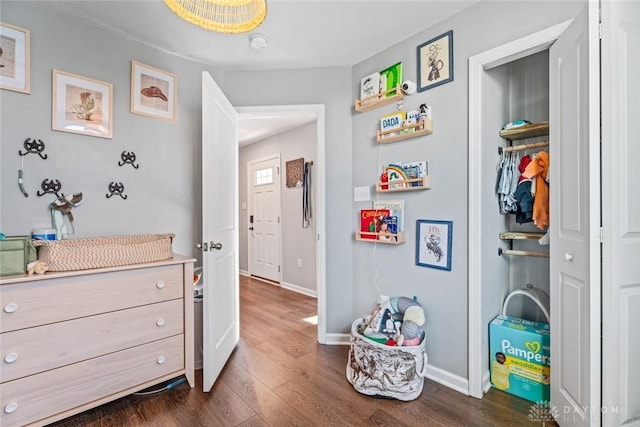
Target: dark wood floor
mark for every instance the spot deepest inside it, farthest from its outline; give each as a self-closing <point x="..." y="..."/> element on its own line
<point x="279" y="376"/>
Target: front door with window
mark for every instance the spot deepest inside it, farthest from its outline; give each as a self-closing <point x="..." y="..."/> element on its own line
<point x="264" y="218"/>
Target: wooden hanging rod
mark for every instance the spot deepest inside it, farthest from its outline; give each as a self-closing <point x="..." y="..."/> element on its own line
<point x="523" y="146"/>
<point x="522" y="253"/>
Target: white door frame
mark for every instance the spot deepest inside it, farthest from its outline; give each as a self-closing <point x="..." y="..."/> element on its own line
<point x="478" y="64"/>
<point x="319" y="211"/>
<point x="275" y="156"/>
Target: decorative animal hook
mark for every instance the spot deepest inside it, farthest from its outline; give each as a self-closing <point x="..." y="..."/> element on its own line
<point x="50" y="186"/>
<point x="128" y="157"/>
<point x="116" y="189"/>
<point x="35" y="147"/>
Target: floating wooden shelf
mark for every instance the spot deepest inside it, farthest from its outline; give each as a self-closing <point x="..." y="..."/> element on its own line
<point x="400" y="239"/>
<point x="397" y="135"/>
<point x="424" y="183"/>
<point x="379" y="99"/>
<point x="526" y="131"/>
<point x="512" y="235"/>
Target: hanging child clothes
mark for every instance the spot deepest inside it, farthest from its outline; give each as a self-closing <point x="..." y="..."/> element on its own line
<point x="523" y="196"/>
<point x="538" y="168"/>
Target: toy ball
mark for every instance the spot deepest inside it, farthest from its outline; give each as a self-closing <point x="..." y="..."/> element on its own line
<point x="410" y="330"/>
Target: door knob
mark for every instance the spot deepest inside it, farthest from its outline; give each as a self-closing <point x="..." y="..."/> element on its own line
<point x="568" y="256"/>
<point x="216" y="246"/>
<point x="203" y="246"/>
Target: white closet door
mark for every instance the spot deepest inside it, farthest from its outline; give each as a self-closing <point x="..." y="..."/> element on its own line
<point x="575" y="222"/>
<point x="621" y="213"/>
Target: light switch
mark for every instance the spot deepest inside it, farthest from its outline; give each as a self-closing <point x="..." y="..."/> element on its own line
<point x="361" y="194"/>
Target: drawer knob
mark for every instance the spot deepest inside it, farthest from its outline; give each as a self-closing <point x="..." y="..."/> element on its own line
<point x="160" y="284"/>
<point x="11" y="307"/>
<point x="11" y="357"/>
<point x="10" y="408"/>
<point x="161" y="360"/>
<point x="160" y="322"/>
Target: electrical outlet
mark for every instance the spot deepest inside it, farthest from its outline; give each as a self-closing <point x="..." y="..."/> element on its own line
<point x="299" y="262"/>
<point x="361" y="194"/>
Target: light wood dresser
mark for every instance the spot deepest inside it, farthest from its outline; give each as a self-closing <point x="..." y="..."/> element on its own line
<point x="75" y="340"/>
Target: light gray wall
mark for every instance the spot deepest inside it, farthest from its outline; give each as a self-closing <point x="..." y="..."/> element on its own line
<point x="297" y="242"/>
<point x="163" y="194"/>
<point x="443" y="294"/>
<point x="331" y="87"/>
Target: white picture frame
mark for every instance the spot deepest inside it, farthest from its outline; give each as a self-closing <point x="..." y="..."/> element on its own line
<point x="15" y="61"/>
<point x="153" y="92"/>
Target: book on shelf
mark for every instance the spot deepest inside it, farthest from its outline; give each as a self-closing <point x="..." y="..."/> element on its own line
<point x="390" y="78"/>
<point x="370" y="85"/>
<point x="396" y="176"/>
<point x="370" y="220"/>
<point x="396" y="209"/>
<point x="415" y="170"/>
<point x="388" y="229"/>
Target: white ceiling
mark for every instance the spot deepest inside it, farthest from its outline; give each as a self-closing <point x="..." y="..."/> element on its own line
<point x="300" y="33"/>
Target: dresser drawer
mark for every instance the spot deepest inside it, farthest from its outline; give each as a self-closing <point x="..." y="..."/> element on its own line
<point x="40" y="396"/>
<point x="28" y="304"/>
<point x="30" y="351"/>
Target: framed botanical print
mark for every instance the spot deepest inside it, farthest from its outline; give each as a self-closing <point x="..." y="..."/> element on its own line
<point x="81" y="105"/>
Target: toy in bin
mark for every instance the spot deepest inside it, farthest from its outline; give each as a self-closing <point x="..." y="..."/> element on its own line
<point x="387" y="356"/>
<point x="520" y="360"/>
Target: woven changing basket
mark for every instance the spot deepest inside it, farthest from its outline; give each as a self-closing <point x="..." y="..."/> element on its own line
<point x="380" y="370"/>
<point x="101" y="252"/>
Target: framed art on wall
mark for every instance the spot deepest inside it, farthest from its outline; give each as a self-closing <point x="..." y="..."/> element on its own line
<point x="15" y="65"/>
<point x="81" y="105"/>
<point x="435" y="61"/>
<point x="153" y="92"/>
<point x="433" y="243"/>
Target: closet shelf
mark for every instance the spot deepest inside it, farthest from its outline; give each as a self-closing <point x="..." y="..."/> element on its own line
<point x="509" y="235"/>
<point x="424" y="183"/>
<point x="522" y="253"/>
<point x="526" y="131"/>
<point x="378" y="100"/>
<point x="412" y="132"/>
<point x="400" y="238"/>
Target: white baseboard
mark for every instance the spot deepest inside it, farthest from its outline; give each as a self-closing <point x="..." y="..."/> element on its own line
<point x="197" y="365"/>
<point x="244" y="273"/>
<point x="338" y="339"/>
<point x="486" y="381"/>
<point x="299" y="289"/>
<point x="448" y="379"/>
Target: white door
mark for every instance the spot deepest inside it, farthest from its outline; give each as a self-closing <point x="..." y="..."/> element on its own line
<point x="621" y="213"/>
<point x="264" y="218"/>
<point x="221" y="303"/>
<point x="575" y="222"/>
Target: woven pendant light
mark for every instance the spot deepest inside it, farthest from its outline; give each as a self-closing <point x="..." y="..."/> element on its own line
<point x="224" y="16"/>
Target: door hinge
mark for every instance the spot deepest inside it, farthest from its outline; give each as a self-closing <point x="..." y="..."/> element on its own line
<point x="278" y="269"/>
<point x="278" y="220"/>
<point x="277" y="170"/>
<point x="601" y="235"/>
<point x="600" y="30"/>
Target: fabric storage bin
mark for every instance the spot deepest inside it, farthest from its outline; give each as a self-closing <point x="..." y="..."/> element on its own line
<point x="103" y="252"/>
<point x="15" y="254"/>
<point x="380" y="370"/>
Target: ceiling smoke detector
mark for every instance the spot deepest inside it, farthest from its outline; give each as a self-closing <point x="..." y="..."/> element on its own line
<point x="258" y="42"/>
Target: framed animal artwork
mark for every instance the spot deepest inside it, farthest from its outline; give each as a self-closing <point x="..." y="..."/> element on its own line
<point x="435" y="61"/>
<point x="433" y="243"/>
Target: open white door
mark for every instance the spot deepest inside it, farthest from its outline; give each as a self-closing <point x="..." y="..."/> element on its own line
<point x="621" y="213"/>
<point x="221" y="302"/>
<point x="574" y="126"/>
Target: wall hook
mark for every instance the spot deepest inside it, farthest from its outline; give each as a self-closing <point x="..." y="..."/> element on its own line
<point x="128" y="157"/>
<point x="116" y="189"/>
<point x="33" y="147"/>
<point x="50" y="186"/>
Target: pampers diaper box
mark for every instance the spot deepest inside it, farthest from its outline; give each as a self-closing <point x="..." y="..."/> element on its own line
<point x="519" y="357"/>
